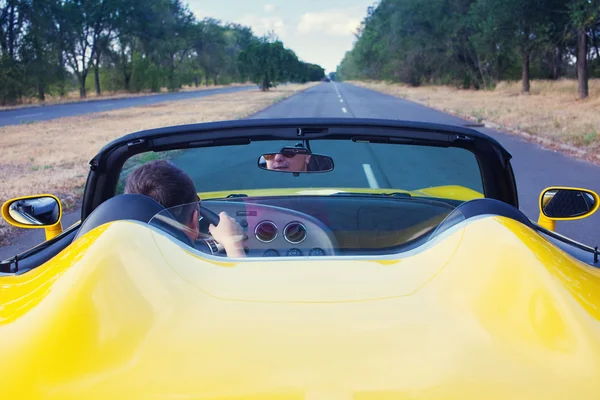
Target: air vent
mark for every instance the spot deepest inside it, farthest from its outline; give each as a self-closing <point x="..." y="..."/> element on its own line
<point x="294" y="232"/>
<point x="266" y="231"/>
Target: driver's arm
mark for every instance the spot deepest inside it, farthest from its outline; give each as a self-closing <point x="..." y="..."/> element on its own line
<point x="229" y="234"/>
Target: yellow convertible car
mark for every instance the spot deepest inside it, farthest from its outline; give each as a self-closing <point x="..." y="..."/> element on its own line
<point x="379" y="260"/>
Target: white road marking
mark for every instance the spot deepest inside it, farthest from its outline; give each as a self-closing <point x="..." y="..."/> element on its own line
<point x="336" y="89"/>
<point x="340" y="97"/>
<point x="370" y="176"/>
<point x="28" y="115"/>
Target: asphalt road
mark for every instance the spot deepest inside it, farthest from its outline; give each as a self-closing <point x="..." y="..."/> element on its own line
<point x="535" y="168"/>
<point x="44" y="113"/>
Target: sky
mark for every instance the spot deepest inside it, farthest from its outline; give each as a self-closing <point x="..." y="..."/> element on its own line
<point x="318" y="31"/>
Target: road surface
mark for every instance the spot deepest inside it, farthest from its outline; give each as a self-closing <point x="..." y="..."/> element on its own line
<point x="535" y="168"/>
<point x="45" y="113"/>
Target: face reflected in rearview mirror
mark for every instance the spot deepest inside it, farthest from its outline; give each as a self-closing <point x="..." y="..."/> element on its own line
<point x="40" y="211"/>
<point x="565" y="203"/>
<point x="296" y="160"/>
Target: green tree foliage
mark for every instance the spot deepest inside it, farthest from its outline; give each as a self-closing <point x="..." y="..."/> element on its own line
<point x="210" y="45"/>
<point x="475" y="43"/>
<point x="267" y="62"/>
<point x="86" y="29"/>
<point x="12" y="30"/>
<point x="54" y="46"/>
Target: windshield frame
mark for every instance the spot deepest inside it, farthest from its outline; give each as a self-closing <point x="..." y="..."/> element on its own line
<point x="494" y="161"/>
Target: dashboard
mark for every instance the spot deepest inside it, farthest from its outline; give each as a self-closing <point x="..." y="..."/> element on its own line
<point x="307" y="226"/>
<point x="271" y="231"/>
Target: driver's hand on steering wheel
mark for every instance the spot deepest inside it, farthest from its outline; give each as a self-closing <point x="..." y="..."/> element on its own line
<point x="229" y="234"/>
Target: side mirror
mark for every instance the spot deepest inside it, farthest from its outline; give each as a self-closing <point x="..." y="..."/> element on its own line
<point x="35" y="212"/>
<point x="566" y="204"/>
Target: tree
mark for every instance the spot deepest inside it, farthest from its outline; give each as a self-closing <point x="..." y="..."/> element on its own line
<point x="238" y="38"/>
<point x="210" y="45"/>
<point x="262" y="62"/>
<point x="531" y="26"/>
<point x="39" y="48"/>
<point x="87" y="24"/>
<point x="177" y="43"/>
<point x="315" y="72"/>
<point x="138" y="38"/>
<point x="12" y="22"/>
<point x="267" y="62"/>
<point x="585" y="16"/>
<point x="125" y="40"/>
<point x="525" y="25"/>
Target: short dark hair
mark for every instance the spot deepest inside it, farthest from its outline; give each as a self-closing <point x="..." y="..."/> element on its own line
<point x="166" y="183"/>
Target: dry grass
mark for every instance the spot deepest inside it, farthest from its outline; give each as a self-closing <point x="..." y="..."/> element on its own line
<point x="53" y="156"/>
<point x="73" y="96"/>
<point x="552" y="114"/>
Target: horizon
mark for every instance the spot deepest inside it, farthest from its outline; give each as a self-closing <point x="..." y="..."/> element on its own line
<point x="317" y="34"/>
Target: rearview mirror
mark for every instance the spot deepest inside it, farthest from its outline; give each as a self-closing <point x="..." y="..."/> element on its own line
<point x="42" y="211"/>
<point x="296" y="160"/>
<point x="559" y="203"/>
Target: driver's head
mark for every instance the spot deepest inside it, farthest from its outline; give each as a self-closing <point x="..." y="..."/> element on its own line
<point x="287" y="162"/>
<point x="170" y="186"/>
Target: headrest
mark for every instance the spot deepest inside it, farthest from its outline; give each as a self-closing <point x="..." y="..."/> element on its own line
<point x="135" y="207"/>
<point x="477" y="207"/>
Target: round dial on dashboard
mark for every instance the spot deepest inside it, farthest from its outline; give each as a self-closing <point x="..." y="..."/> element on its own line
<point x="294" y="253"/>
<point x="271" y="253"/>
<point x="316" y="252"/>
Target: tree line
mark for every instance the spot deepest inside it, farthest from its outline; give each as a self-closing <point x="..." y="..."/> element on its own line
<point x="54" y="46"/>
<point x="476" y="43"/>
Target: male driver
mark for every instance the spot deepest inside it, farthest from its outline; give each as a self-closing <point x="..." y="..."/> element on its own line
<point x="170" y="186"/>
<point x="290" y="162"/>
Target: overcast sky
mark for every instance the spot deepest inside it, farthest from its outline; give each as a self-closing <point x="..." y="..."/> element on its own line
<point x="319" y="31"/>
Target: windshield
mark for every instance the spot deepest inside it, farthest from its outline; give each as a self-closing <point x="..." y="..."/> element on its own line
<point x="235" y="169"/>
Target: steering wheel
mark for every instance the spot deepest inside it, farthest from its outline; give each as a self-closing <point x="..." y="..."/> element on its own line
<point x="208" y="245"/>
<point x="209" y="215"/>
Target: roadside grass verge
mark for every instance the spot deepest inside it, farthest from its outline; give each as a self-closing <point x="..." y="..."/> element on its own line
<point x="73" y="96"/>
<point x="53" y="156"/>
<point x="551" y="114"/>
